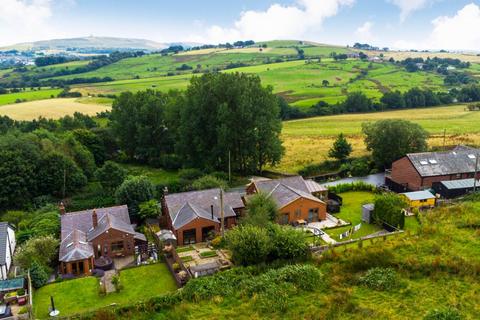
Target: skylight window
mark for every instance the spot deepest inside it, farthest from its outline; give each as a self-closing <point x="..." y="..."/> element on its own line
<point x="433" y="161"/>
<point x="423" y="162"/>
<point x="70" y="244"/>
<point x="471" y="156"/>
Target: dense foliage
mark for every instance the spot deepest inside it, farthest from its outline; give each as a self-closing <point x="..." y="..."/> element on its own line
<point x="260" y="210"/>
<point x="134" y="191"/>
<point x="389" y="211"/>
<point x="340" y="149"/>
<point x="389" y="140"/>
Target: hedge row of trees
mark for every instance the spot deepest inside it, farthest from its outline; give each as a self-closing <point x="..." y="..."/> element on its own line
<point x="359" y="102"/>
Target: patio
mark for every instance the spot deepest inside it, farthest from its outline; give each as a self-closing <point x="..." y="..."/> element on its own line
<point x="330" y="222"/>
<point x="200" y="254"/>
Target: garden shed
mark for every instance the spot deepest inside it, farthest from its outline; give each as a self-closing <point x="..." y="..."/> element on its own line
<point x="454" y="188"/>
<point x="367" y="212"/>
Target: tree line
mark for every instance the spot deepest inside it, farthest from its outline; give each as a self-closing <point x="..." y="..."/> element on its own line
<point x="391" y="100"/>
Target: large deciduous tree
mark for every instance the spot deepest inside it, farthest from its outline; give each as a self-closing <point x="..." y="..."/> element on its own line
<point x="232" y="114"/>
<point x="391" y="139"/>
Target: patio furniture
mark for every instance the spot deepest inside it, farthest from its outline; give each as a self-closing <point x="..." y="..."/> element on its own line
<point x="22" y="300"/>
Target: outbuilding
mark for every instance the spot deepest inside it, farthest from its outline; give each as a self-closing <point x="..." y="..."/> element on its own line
<point x="455" y="188"/>
<point x="367" y="212"/>
<point x="419" y="199"/>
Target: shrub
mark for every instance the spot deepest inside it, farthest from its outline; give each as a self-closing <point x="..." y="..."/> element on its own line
<point x="249" y="244"/>
<point x="448" y="314"/>
<point x="276" y="298"/>
<point x="208" y="182"/>
<point x="38" y="275"/>
<point x="133" y="191"/>
<point x="261" y="210"/>
<point x="382" y="279"/>
<point x="116" y="283"/>
<point x="288" y="243"/>
<point x="354" y="186"/>
<point x="41" y="250"/>
<point x="190" y="174"/>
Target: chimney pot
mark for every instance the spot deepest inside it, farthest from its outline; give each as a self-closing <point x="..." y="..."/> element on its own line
<point x="211" y="210"/>
<point x="61" y="208"/>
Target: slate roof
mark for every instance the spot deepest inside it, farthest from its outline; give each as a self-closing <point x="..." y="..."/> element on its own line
<point x="3" y="242"/>
<point x="77" y="230"/>
<point x="82" y="220"/>
<point x="287" y="190"/>
<point x="186" y="206"/>
<point x="75" y="246"/>
<point x="459" y="160"/>
<point x="418" y="195"/>
<point x="460" y="184"/>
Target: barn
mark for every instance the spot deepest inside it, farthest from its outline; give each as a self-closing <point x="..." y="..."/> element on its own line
<point x="455" y="188"/>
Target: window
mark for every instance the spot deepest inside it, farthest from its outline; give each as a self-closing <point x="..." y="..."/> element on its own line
<point x="313" y="215"/>
<point x="284" y="218"/>
<point x="116" y="246"/>
<point x="298" y="213"/>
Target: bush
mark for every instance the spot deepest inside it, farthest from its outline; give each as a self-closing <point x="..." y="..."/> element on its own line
<point x="41" y="250"/>
<point x="448" y="314"/>
<point x="133" y="191"/>
<point x="288" y="243"/>
<point x="354" y="186"/>
<point x="38" y="275"/>
<point x="208" y="182"/>
<point x="249" y="244"/>
<point x="190" y="174"/>
<point x="381" y="279"/>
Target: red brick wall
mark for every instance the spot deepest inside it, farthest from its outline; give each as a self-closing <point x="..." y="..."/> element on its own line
<point x="403" y="172"/>
<point x="105" y="241"/>
<point x="196" y="224"/>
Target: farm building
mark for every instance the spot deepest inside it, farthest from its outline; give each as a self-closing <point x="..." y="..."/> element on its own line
<point x="455" y="188"/>
<point x="418" y="171"/>
<point x="419" y="199"/>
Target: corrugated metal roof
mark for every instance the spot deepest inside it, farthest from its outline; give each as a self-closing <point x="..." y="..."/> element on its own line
<point x="460" y="160"/>
<point x="460" y="184"/>
<point x="419" y="195"/>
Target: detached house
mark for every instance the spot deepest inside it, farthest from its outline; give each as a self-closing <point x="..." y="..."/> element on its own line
<point x="192" y="216"/>
<point x="418" y="171"/>
<point x="7" y="248"/>
<point x="298" y="200"/>
<point x="91" y="234"/>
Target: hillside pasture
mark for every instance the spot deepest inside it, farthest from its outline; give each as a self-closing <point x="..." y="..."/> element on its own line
<point x="308" y="140"/>
<point x="28" y="95"/>
<point x="51" y="109"/>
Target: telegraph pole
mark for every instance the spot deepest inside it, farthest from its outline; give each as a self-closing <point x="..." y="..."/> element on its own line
<point x="222" y="214"/>
<point x="475" y="175"/>
<point x="229" y="168"/>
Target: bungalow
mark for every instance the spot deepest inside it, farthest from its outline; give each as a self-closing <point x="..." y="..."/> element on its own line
<point x="418" y="171"/>
<point x="7" y="248"/>
<point x="193" y="216"/>
<point x="298" y="200"/>
<point x="93" y="234"/>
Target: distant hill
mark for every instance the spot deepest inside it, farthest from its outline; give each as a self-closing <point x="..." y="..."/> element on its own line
<point x="101" y="43"/>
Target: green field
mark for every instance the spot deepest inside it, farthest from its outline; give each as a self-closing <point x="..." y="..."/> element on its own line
<point x="28" y="95"/>
<point x="308" y="140"/>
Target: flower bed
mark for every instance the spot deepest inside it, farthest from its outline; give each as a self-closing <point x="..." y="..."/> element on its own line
<point x="208" y="254"/>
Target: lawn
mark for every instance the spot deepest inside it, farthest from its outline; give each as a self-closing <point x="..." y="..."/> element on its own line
<point x="50" y="108"/>
<point x="351" y="211"/>
<point x="82" y="295"/>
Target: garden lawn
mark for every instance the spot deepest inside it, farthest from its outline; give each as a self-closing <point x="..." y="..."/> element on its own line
<point x="82" y="295"/>
<point x="351" y="211"/>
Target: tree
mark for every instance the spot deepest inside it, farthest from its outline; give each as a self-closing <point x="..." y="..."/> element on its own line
<point x="229" y="114"/>
<point x="388" y="210"/>
<point x="341" y="148"/>
<point x="208" y="182"/>
<point x="288" y="243"/>
<point x="357" y="102"/>
<point x="42" y="250"/>
<point x="149" y="209"/>
<point x="139" y="122"/>
<point x="249" y="244"/>
<point x="38" y="275"/>
<point x="133" y="191"/>
<point x="325" y="83"/>
<point x="391" y="139"/>
<point x="393" y="100"/>
<point x="260" y="211"/>
<point x="111" y="175"/>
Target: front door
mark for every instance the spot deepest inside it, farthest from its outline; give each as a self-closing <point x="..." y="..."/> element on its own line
<point x="313" y="215"/>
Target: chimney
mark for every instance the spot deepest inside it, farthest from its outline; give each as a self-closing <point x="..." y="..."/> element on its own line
<point x="94" y="218"/>
<point x="61" y="208"/>
<point x="211" y="210"/>
<point x="165" y="191"/>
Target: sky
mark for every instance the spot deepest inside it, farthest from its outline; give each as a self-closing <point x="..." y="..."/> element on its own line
<point x="400" y="24"/>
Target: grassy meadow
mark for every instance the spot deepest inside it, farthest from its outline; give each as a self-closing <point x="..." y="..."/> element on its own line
<point x="308" y="140"/>
<point x="53" y="108"/>
<point x="28" y="95"/>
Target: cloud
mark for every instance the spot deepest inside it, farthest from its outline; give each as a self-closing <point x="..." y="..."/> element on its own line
<point x="22" y="20"/>
<point x="364" y="32"/>
<point x="276" y="22"/>
<point x="408" y="6"/>
<point x="457" y="32"/>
